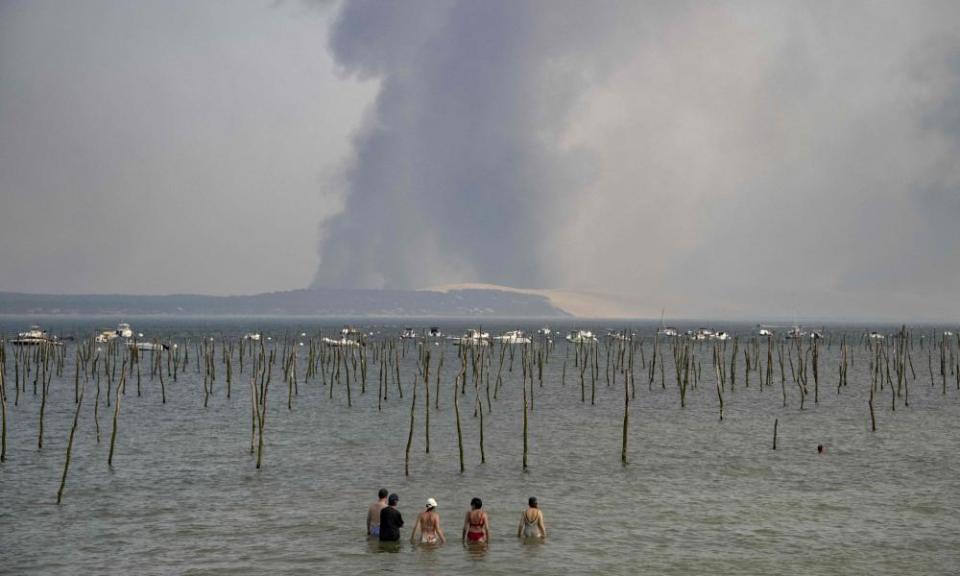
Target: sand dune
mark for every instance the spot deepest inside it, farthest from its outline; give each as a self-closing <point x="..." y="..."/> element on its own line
<point x="580" y="304"/>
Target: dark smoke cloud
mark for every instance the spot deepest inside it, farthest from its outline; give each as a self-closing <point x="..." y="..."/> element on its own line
<point x="728" y="158"/>
<point x="458" y="176"/>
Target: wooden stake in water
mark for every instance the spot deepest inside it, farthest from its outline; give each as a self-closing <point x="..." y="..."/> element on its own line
<point x="73" y="431"/>
<point x="775" y="422"/>
<point x="626" y="421"/>
<point x="720" y="388"/>
<point x="96" y="400"/>
<point x="121" y="389"/>
<point x="44" y="386"/>
<point x="426" y="406"/>
<point x="456" y="409"/>
<point x="525" y="442"/>
<point x="262" y="411"/>
<point x="413" y="409"/>
<point x="3" y="404"/>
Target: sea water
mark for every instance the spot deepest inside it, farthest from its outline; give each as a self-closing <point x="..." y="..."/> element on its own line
<point x="697" y="496"/>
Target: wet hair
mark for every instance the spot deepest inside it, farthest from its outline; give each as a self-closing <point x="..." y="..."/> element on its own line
<point x="393" y="499"/>
<point x="532" y="501"/>
<point x="382" y="493"/>
<point x="476" y="503"/>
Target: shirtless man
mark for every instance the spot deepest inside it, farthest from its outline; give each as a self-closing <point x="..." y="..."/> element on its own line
<point x="428" y="522"/>
<point x="373" y="513"/>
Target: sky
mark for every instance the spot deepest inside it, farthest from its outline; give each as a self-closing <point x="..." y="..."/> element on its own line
<point x="168" y="146"/>
<point x="721" y="159"/>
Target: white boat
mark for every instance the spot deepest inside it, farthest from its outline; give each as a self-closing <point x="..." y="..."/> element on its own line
<point x="721" y="336"/>
<point x="795" y="332"/>
<point x="342" y="342"/>
<point x="816" y="335"/>
<point x="668" y="331"/>
<point x="581" y="337"/>
<point x="765" y="332"/>
<point x="34" y="337"/>
<point x="409" y="334"/>
<point x="123" y="331"/>
<point x="349" y="331"/>
<point x="544" y="332"/>
<point x="435" y="332"/>
<point x="622" y="336"/>
<point x="255" y="336"/>
<point x="473" y="337"/>
<point x="700" y="334"/>
<point x="513" y="337"/>
<point x="877" y="336"/>
<point x="148" y="346"/>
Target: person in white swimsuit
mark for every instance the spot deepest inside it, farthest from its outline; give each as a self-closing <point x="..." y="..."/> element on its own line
<point x="428" y="522"/>
<point x="531" y="522"/>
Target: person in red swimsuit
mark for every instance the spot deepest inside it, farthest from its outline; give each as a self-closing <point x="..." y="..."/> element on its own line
<point x="476" y="525"/>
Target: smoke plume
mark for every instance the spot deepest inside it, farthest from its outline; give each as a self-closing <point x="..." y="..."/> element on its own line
<point x="742" y="155"/>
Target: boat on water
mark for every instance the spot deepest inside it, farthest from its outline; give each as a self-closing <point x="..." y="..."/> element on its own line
<point x="513" y="337"/>
<point x="721" y="335"/>
<point x="581" y="337"/>
<point x="765" y="332"/>
<point x="668" y="331"/>
<point x="795" y="332"/>
<point x="123" y="330"/>
<point x="473" y="337"/>
<point x="876" y="336"/>
<point x="623" y="336"/>
<point x="434" y="332"/>
<point x="701" y="334"/>
<point x="148" y="346"/>
<point x="409" y="334"/>
<point x="35" y="336"/>
<point x="349" y="331"/>
<point x="341" y="342"/>
<point x="255" y="336"/>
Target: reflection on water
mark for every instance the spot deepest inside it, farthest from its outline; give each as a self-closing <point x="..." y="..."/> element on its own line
<point x="476" y="550"/>
<point x="532" y="547"/>
<point x="389" y="547"/>
<point x="699" y="496"/>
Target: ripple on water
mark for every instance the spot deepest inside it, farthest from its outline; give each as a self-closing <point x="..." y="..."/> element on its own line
<point x="698" y="497"/>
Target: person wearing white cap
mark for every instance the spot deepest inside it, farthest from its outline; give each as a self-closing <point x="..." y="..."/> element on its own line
<point x="428" y="522"/>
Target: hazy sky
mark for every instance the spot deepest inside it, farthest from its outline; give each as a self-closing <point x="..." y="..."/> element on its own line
<point x="723" y="158"/>
<point x="168" y="146"/>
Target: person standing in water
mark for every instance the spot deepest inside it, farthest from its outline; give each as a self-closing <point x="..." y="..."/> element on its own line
<point x="390" y="521"/>
<point x="531" y="522"/>
<point x="476" y="524"/>
<point x="428" y="522"/>
<point x="373" y="513"/>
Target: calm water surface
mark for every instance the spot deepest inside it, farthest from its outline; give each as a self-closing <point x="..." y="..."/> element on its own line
<point x="699" y="496"/>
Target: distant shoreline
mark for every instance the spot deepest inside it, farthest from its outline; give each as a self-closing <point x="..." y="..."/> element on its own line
<point x="321" y="303"/>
